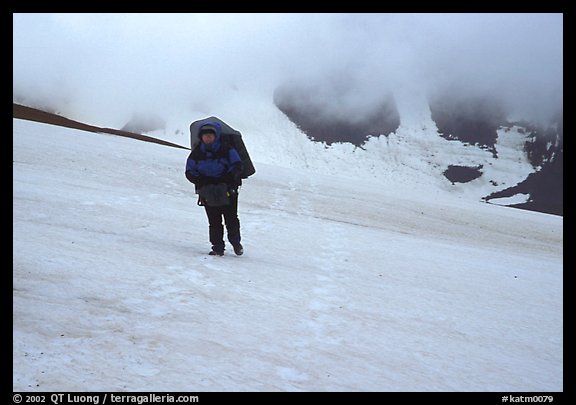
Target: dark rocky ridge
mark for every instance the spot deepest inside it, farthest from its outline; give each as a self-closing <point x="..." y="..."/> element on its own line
<point x="311" y="116"/>
<point x="33" y="114"/>
<point x="476" y="121"/>
<point x="545" y="150"/>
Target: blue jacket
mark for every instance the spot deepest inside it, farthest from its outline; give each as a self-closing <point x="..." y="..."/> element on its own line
<point x="214" y="163"/>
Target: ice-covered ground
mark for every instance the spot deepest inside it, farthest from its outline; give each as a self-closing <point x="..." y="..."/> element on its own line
<point x="349" y="282"/>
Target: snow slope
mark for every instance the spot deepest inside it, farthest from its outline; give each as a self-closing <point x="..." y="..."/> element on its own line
<point x="347" y="284"/>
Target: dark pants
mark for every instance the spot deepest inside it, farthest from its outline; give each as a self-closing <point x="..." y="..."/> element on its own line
<point x="216" y="229"/>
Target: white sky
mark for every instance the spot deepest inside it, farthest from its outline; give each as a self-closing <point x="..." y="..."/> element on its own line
<point x="106" y="66"/>
<point x="346" y="284"/>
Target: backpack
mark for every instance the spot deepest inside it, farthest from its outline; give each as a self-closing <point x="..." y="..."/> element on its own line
<point x="228" y="136"/>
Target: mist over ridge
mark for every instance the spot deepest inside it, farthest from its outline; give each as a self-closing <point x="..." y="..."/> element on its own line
<point x="163" y="63"/>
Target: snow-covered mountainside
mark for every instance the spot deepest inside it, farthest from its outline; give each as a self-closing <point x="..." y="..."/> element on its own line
<point x="490" y="158"/>
<point x="348" y="282"/>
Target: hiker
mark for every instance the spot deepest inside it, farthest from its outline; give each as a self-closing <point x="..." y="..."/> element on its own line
<point x="218" y="163"/>
<point x="215" y="168"/>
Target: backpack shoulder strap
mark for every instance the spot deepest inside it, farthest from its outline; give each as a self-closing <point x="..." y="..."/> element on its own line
<point x="197" y="153"/>
<point x="223" y="150"/>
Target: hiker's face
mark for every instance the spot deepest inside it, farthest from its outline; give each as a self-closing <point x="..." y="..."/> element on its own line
<point x="208" y="138"/>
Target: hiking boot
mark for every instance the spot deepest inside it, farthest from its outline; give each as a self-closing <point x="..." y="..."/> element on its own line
<point x="238" y="249"/>
<point x="216" y="253"/>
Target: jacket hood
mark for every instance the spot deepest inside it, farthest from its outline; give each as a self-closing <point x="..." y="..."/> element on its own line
<point x="218" y="129"/>
<point x="212" y="125"/>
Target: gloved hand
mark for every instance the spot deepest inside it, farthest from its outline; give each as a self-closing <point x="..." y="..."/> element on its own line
<point x="231" y="179"/>
<point x="199" y="181"/>
<point x="191" y="178"/>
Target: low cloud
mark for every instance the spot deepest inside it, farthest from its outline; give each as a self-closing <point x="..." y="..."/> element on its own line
<point x="108" y="67"/>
